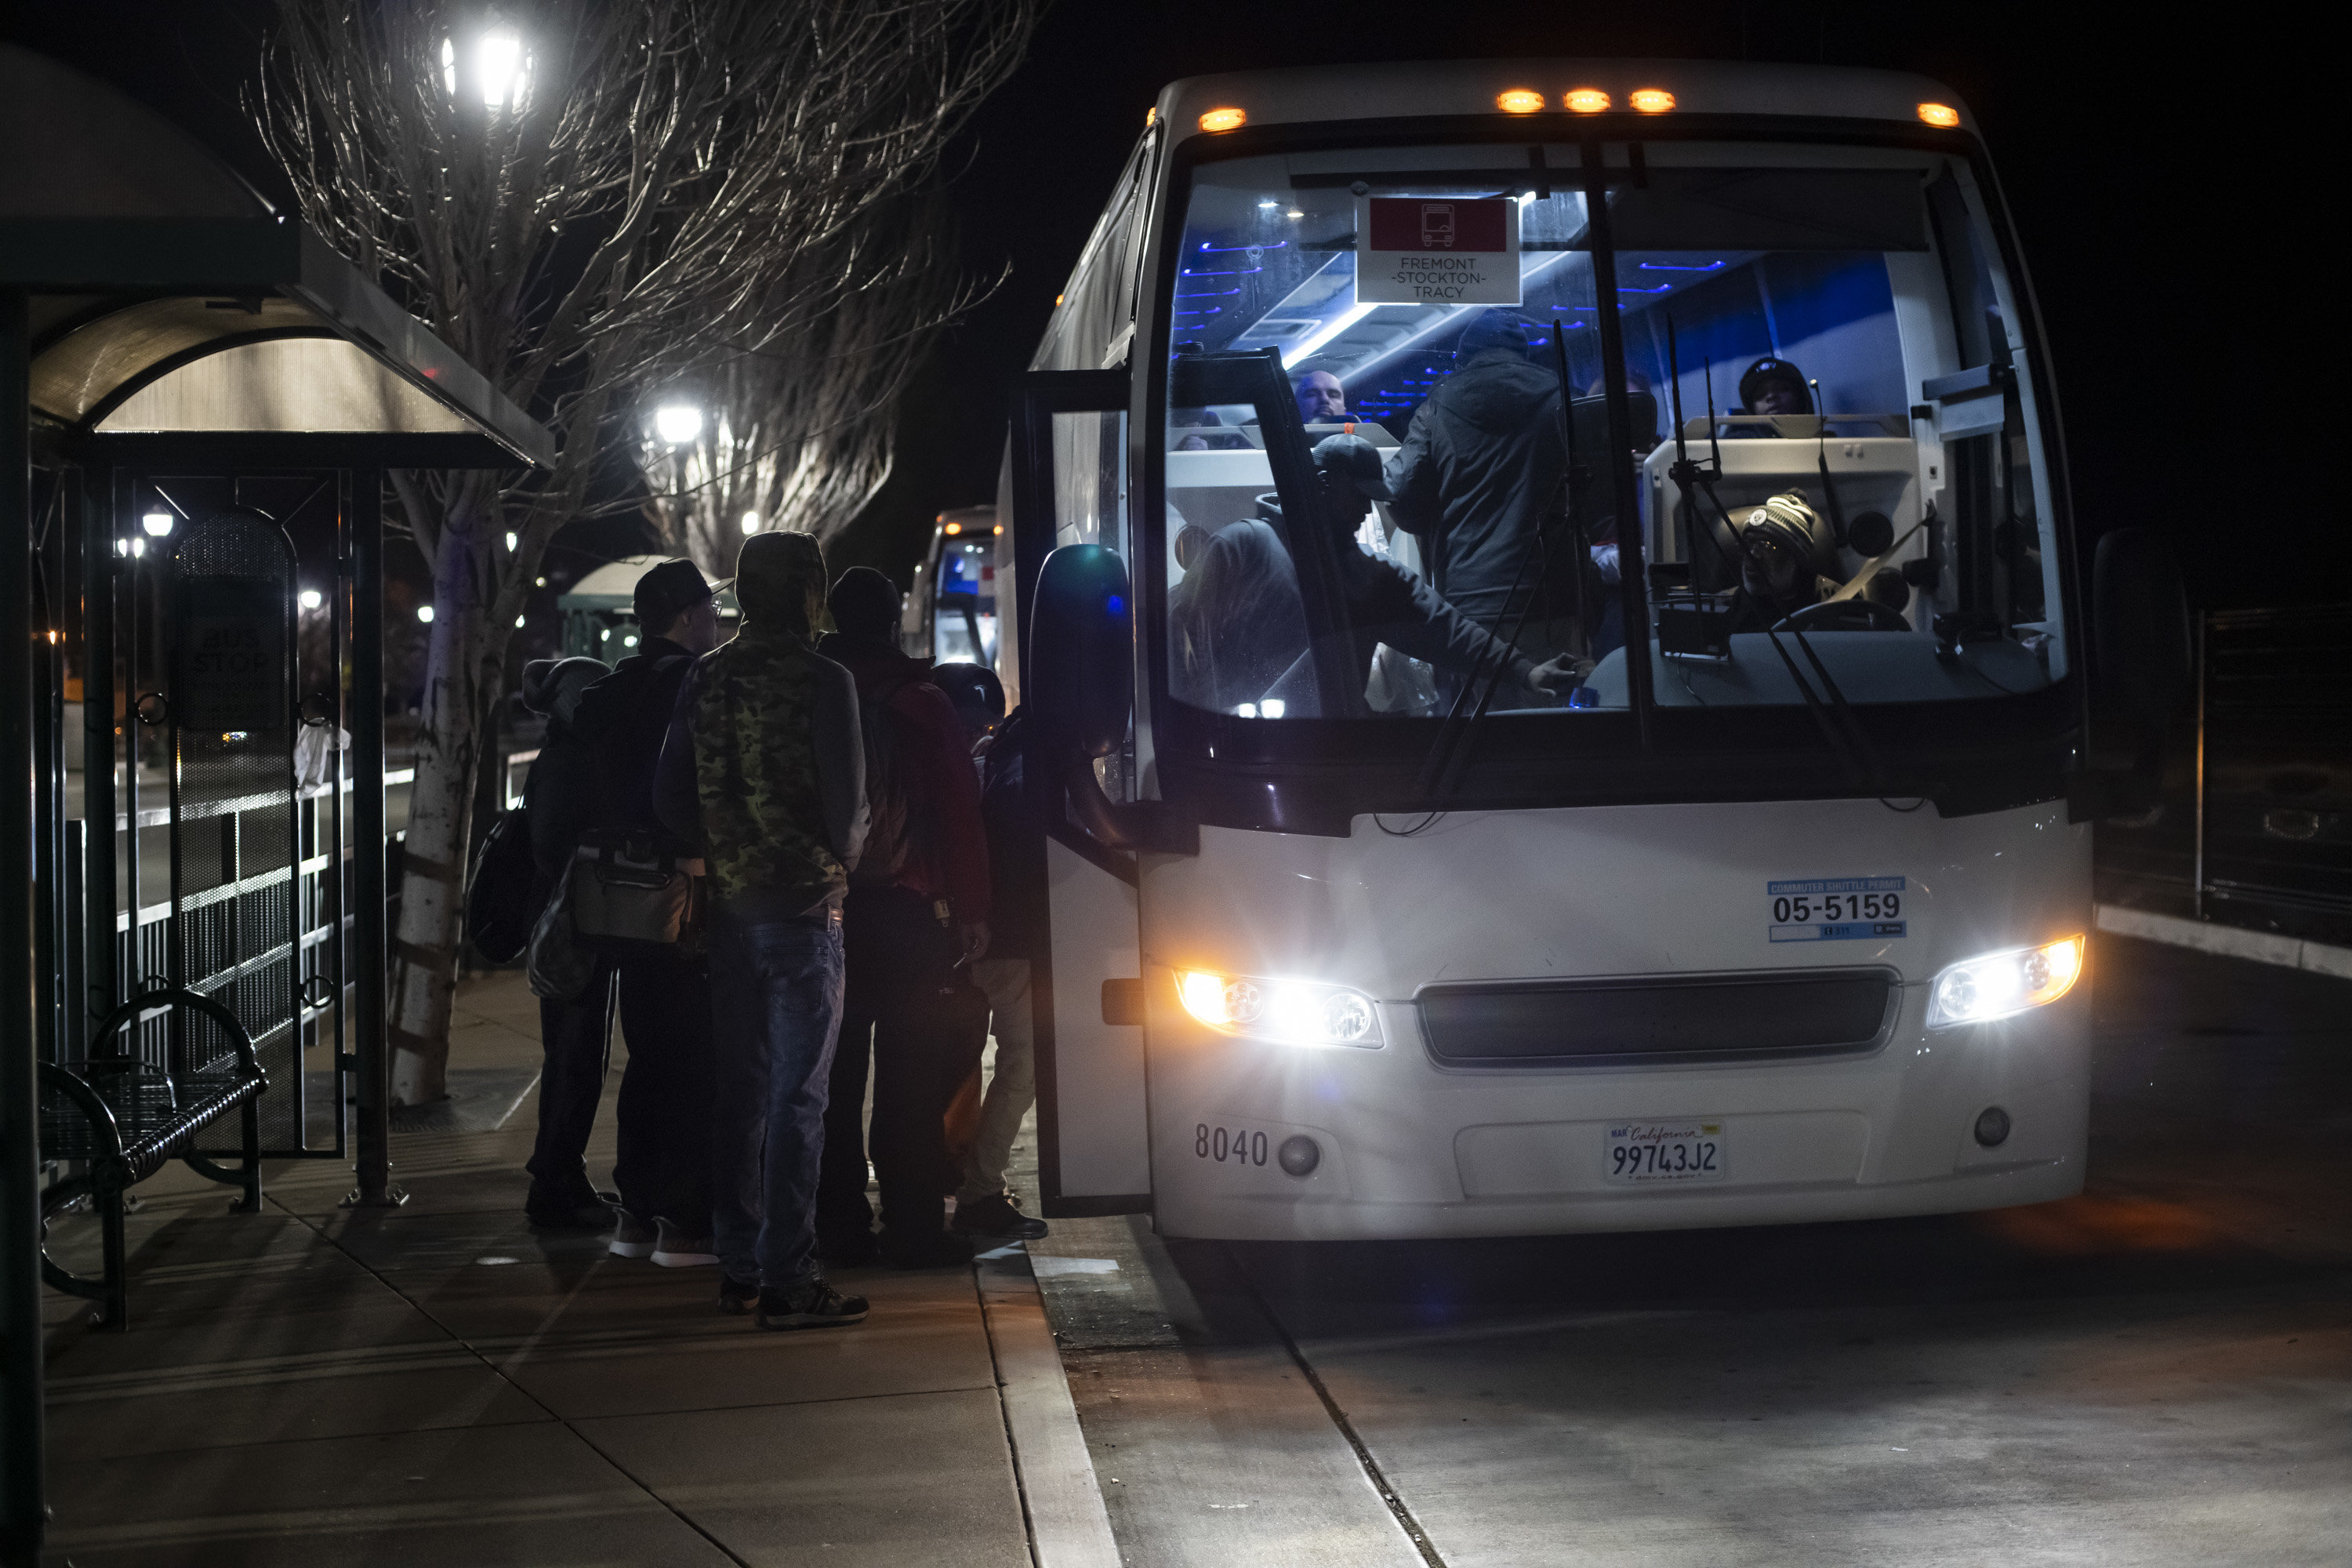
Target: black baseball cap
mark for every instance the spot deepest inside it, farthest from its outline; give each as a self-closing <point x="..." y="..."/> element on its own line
<point x="670" y="589"/>
<point x="1765" y="371"/>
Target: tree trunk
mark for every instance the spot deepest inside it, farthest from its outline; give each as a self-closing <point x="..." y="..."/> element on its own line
<point x="433" y="877"/>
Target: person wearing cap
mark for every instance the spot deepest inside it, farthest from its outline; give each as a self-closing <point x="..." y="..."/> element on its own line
<point x="1478" y="473"/>
<point x="563" y="797"/>
<point x="1770" y="385"/>
<point x="662" y="1163"/>
<point x="916" y="918"/>
<point x="764" y="769"/>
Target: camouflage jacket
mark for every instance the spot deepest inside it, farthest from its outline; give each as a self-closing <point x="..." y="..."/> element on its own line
<point x="763" y="767"/>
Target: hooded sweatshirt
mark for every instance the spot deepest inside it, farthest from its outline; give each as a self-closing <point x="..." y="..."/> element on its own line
<point x="1480" y="467"/>
<point x="562" y="793"/>
<point x="763" y="766"/>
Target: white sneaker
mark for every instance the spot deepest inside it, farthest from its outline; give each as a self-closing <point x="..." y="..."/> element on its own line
<point x="676" y="1249"/>
<point x="633" y="1237"/>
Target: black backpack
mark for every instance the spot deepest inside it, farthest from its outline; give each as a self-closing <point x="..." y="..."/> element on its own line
<point x="890" y="828"/>
<point x="499" y="906"/>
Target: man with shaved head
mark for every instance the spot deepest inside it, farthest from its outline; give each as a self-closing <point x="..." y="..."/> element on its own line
<point x="1322" y="399"/>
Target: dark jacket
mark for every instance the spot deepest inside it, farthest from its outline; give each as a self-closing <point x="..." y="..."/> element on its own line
<point x="763" y="769"/>
<point x="564" y="798"/>
<point x="949" y="856"/>
<point x="623" y="719"/>
<point x="1479" y="468"/>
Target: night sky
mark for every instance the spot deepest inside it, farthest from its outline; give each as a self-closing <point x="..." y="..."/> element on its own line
<point x="2152" y="168"/>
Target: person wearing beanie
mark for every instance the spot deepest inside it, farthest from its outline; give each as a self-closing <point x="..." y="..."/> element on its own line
<point x="916" y="919"/>
<point x="562" y="796"/>
<point x="763" y="770"/>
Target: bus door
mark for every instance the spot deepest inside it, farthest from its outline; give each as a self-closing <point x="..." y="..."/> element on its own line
<point x="1076" y="548"/>
<point x="1070" y="484"/>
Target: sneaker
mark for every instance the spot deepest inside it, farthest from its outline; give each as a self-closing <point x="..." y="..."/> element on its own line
<point x="849" y="1249"/>
<point x="676" y="1249"/>
<point x="736" y="1297"/>
<point x="933" y="1250"/>
<point x="632" y="1237"/>
<point x="813" y="1304"/>
<point x="997" y="1219"/>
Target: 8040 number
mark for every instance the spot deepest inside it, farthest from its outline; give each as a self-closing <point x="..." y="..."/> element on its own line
<point x="1835" y="907"/>
<point x="1223" y="1146"/>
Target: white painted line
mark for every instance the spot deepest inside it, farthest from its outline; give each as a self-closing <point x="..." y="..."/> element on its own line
<point x="2228" y="942"/>
<point x="1068" y="1526"/>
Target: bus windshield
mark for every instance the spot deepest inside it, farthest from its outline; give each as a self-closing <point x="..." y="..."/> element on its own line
<point x="1822" y="460"/>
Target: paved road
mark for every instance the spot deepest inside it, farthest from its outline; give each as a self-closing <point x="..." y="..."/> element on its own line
<point x="2157" y="1372"/>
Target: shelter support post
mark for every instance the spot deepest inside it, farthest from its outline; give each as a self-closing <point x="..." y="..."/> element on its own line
<point x="362" y="566"/>
<point x="98" y="578"/>
<point x="21" y="1479"/>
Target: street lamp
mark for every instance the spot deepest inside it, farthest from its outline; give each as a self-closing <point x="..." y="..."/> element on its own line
<point x="311" y="598"/>
<point x="495" y="64"/>
<point x="679" y="424"/>
<point x="750" y="523"/>
<point x="424" y="614"/>
<point x="156" y="523"/>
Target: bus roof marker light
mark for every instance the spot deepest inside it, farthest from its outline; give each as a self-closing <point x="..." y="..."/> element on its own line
<point x="1942" y="116"/>
<point x="1519" y="101"/>
<point x="1650" y="99"/>
<point x="1220" y="119"/>
<point x="1586" y="100"/>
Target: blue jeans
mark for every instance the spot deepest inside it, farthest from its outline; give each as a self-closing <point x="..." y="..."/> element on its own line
<point x="775" y="1003"/>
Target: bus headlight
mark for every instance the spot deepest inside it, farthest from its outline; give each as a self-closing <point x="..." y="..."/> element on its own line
<point x="1295" y="1012"/>
<point x="1997" y="985"/>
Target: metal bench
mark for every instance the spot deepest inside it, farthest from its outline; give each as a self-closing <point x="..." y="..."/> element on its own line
<point x="123" y="1118"/>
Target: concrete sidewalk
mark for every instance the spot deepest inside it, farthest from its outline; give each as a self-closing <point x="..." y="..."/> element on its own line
<point x="312" y="1387"/>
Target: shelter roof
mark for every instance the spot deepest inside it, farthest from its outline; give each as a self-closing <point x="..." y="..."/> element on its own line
<point x="170" y="299"/>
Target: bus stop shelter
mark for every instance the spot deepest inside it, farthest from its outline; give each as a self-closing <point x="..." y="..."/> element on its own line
<point x="168" y="341"/>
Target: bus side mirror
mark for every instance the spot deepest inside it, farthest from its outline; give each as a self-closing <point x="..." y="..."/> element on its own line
<point x="1081" y="680"/>
<point x="2139" y="668"/>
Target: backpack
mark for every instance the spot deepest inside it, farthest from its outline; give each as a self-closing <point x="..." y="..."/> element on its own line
<point x="890" y="828"/>
<point x="499" y="909"/>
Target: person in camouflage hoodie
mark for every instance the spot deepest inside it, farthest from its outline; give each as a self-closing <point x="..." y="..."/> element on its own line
<point x="763" y="768"/>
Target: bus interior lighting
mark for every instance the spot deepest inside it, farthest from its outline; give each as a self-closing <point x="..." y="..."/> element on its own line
<point x="1942" y="116"/>
<point x="1294" y="1012"/>
<point x="1586" y="100"/>
<point x="2000" y="984"/>
<point x="1519" y="101"/>
<point x="1223" y="120"/>
<point x="1650" y="99"/>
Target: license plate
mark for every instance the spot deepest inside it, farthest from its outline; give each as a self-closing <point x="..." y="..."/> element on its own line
<point x="1665" y="1152"/>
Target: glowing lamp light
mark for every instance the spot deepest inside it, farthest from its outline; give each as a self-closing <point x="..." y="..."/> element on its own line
<point x="1651" y="101"/>
<point x="518" y="623"/>
<point x="1152" y="116"/>
<point x="1586" y="100"/>
<point x="311" y="598"/>
<point x="1519" y="101"/>
<point x="998" y="529"/>
<point x="424" y="614"/>
<point x="954" y="528"/>
<point x="156" y="523"/>
<point x="2001" y="984"/>
<point x="677" y="423"/>
<point x="502" y="67"/>
<point x="750" y="523"/>
<point x="1223" y="120"/>
<point x="1942" y="116"/>
<point x="512" y="539"/>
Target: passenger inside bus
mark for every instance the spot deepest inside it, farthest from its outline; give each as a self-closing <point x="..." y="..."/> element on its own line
<point x="1479" y="469"/>
<point x="1322" y="399"/>
<point x="1238" y="624"/>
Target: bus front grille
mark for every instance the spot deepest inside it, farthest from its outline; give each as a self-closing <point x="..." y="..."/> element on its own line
<point x="1655" y="1019"/>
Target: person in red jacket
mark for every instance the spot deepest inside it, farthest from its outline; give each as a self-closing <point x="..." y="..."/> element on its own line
<point x="916" y="918"/>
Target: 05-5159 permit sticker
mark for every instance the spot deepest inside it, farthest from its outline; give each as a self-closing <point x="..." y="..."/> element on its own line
<point x="1837" y="908"/>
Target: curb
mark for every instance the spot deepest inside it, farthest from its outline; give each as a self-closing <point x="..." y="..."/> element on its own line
<point x="1068" y="1526"/>
<point x="2228" y="942"/>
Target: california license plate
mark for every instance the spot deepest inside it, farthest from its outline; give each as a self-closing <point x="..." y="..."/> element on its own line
<point x="1665" y="1152"/>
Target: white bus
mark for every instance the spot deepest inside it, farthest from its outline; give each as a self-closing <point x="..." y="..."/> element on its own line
<point x="1388" y="896"/>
